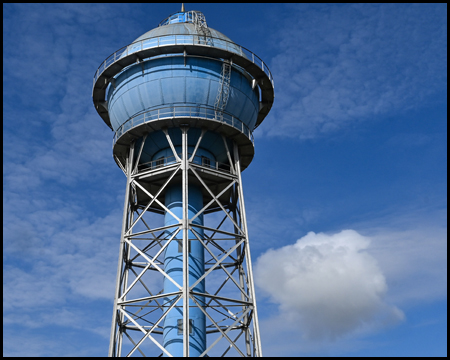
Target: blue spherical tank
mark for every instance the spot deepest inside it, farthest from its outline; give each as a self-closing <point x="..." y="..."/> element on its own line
<point x="169" y="81"/>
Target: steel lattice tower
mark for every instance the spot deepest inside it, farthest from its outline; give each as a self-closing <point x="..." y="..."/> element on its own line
<point x="183" y="100"/>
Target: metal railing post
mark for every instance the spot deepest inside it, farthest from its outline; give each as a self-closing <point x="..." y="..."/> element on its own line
<point x="159" y="114"/>
<point x="242" y="52"/>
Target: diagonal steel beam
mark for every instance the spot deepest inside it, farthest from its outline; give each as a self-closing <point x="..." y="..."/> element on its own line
<point x="153" y="242"/>
<point x="213" y="199"/>
<point x="162" y="247"/>
<point x="231" y="345"/>
<point x="218" y="227"/>
<point x="169" y="140"/>
<point x="154" y="198"/>
<point x="148" y="290"/>
<point x="140" y="153"/>
<point x="216" y="264"/>
<point x="150" y="298"/>
<point x="218" y="202"/>
<point x="233" y="235"/>
<point x="129" y="338"/>
<point x="227" y="315"/>
<point x="217" y="261"/>
<point x="120" y="164"/>
<point x="159" y="202"/>
<point x="196" y="145"/>
<point x="134" y="282"/>
<point x="228" y="155"/>
<point x="153" y="263"/>
<point x="220" y="287"/>
<point x="224" y="333"/>
<point x="155" y="325"/>
<point x="134" y="236"/>
<point x="213" y="242"/>
<point x="148" y="266"/>
<point x="223" y="298"/>
<point x="145" y="332"/>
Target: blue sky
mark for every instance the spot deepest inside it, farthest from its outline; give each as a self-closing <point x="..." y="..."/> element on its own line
<point x="347" y="228"/>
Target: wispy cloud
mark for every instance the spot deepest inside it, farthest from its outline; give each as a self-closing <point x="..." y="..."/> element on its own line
<point x="411" y="248"/>
<point x="51" y="262"/>
<point x="339" y="64"/>
<point x="60" y="227"/>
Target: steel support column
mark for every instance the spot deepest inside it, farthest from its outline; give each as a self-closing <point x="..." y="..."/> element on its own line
<point x="112" y="340"/>
<point x="185" y="229"/>
<point x="247" y="250"/>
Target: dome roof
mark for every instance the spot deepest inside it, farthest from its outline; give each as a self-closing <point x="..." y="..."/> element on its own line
<point x="181" y="24"/>
<point x="179" y="29"/>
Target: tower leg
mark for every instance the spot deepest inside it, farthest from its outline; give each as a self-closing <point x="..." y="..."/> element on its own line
<point x="185" y="226"/>
<point x="116" y="337"/>
<point x="251" y="287"/>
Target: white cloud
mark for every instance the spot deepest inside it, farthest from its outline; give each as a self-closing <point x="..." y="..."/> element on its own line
<point x="329" y="285"/>
<point x="411" y="248"/>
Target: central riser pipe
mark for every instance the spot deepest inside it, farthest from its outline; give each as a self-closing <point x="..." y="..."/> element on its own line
<point x="173" y="323"/>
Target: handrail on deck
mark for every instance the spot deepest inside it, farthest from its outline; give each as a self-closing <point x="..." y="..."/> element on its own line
<point x="198" y="160"/>
<point x="181" y="39"/>
<point x="183" y="111"/>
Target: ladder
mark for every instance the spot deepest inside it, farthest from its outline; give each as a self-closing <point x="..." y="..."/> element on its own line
<point x="224" y="90"/>
<point x="202" y="28"/>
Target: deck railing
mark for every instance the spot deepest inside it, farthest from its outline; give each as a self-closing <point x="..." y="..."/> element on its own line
<point x="183" y="111"/>
<point x="199" y="160"/>
<point x="181" y="39"/>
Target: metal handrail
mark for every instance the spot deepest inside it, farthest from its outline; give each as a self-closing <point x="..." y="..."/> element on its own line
<point x="179" y="39"/>
<point x="183" y="111"/>
<point x="198" y="160"/>
<point x="188" y="14"/>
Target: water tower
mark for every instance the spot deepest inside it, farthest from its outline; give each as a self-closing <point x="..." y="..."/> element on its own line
<point x="183" y="101"/>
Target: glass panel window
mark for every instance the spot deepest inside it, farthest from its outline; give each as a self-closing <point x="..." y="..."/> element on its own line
<point x="180" y="326"/>
<point x="180" y="246"/>
<point x="160" y="161"/>
<point x="206" y="161"/>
